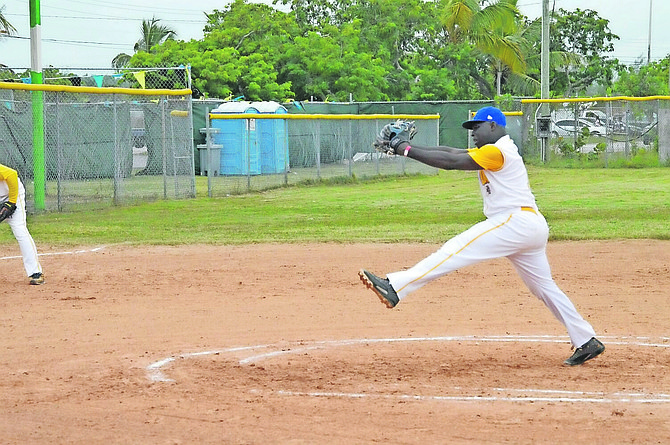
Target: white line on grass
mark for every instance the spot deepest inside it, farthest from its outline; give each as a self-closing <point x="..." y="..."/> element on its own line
<point x="74" y="252"/>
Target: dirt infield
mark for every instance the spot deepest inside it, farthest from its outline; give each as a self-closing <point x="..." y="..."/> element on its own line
<point x="282" y="344"/>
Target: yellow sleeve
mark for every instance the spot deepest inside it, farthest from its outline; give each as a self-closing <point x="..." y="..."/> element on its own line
<point x="489" y="157"/>
<point x="11" y="177"/>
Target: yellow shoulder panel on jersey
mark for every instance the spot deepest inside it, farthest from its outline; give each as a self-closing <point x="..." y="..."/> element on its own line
<point x="489" y="157"/>
<point x="9" y="175"/>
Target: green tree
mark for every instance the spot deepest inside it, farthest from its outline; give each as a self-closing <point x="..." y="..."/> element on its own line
<point x="372" y="50"/>
<point x="442" y="71"/>
<point x="586" y="34"/>
<point x="402" y="38"/>
<point x="392" y="27"/>
<point x="236" y="57"/>
<point x="152" y="34"/>
<point x="530" y="42"/>
<point x="258" y="34"/>
<point x="641" y="80"/>
<point x="492" y="28"/>
<point x="332" y="65"/>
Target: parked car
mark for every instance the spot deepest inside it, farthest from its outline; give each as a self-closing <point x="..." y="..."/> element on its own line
<point x="570" y="127"/>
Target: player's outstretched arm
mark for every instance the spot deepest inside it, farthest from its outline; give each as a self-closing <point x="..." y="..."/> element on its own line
<point x="446" y="158"/>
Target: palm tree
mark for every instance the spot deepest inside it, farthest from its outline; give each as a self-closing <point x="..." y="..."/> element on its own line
<point x="491" y="30"/>
<point x="529" y="38"/>
<point x="152" y="34"/>
<point x="5" y="26"/>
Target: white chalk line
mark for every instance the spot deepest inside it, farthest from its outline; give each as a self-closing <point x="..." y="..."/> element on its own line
<point x="567" y="396"/>
<point x="155" y="371"/>
<point x="74" y="252"/>
<point x="506" y="338"/>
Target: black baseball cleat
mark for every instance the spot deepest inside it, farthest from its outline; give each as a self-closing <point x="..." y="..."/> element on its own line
<point x="587" y="351"/>
<point x="381" y="287"/>
<point x="37" y="278"/>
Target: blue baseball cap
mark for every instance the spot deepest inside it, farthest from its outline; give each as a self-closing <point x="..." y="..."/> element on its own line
<point x="486" y="114"/>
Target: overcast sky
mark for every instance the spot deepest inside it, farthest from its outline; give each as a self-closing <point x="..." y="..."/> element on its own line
<point x="89" y="33"/>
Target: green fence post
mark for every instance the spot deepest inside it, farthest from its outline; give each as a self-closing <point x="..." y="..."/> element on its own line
<point x="37" y="104"/>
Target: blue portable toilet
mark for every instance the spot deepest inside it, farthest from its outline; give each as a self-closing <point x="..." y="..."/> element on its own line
<point x="273" y="138"/>
<point x="240" y="153"/>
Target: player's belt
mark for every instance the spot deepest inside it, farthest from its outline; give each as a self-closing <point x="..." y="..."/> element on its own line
<point x="528" y="209"/>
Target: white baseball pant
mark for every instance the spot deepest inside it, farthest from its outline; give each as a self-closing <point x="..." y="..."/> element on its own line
<point x="521" y="236"/>
<point x="20" y="229"/>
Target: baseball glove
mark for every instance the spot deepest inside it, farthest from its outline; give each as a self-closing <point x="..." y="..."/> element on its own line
<point x="392" y="135"/>
<point x="383" y="145"/>
<point x="6" y="210"/>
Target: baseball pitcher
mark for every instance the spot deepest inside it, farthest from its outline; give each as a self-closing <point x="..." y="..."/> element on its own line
<point x="514" y="227"/>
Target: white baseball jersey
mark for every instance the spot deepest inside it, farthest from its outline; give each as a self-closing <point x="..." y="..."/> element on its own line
<point x="504" y="184"/>
<point x="513" y="228"/>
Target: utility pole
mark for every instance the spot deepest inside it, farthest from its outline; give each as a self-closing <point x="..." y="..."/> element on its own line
<point x="544" y="70"/>
<point x="649" y="38"/>
<point x="545" y="122"/>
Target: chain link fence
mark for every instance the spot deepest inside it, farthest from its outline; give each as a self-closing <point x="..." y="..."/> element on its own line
<point x="596" y="131"/>
<point x="79" y="145"/>
<point x="105" y="139"/>
<point x="249" y="151"/>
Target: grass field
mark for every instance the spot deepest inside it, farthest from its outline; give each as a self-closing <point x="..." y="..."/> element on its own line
<point x="578" y="203"/>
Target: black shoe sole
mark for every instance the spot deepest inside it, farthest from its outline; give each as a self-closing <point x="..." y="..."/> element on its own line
<point x="369" y="285"/>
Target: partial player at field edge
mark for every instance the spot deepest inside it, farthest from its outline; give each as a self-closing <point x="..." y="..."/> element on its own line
<point x="13" y="210"/>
